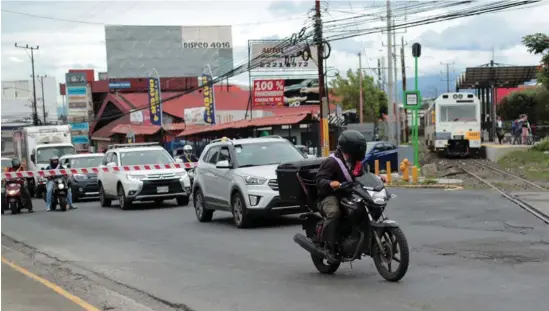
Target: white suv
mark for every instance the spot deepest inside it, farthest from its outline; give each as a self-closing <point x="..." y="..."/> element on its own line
<point x="239" y="176"/>
<point x="152" y="185"/>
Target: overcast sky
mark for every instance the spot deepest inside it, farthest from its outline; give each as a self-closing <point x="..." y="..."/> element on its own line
<point x="63" y="45"/>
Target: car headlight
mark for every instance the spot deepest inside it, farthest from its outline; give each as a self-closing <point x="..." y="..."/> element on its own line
<point x="80" y="177"/>
<point x="181" y="174"/>
<point x="252" y="180"/>
<point x="136" y="177"/>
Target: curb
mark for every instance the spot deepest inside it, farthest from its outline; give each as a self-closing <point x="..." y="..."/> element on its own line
<point x="453" y="187"/>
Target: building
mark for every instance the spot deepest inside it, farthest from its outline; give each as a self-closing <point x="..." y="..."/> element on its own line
<point x="17" y="99"/>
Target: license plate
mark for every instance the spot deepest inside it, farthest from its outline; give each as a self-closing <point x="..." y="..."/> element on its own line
<point x="472" y="135"/>
<point x="163" y="189"/>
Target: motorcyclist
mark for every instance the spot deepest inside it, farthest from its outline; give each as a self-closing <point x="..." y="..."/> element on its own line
<point x="55" y="165"/>
<point x="188" y="155"/>
<point x="26" y="200"/>
<point x="342" y="166"/>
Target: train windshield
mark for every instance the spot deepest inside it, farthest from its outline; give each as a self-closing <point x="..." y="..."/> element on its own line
<point x="458" y="113"/>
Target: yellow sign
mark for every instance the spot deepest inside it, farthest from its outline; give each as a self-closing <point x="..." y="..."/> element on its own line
<point x="472" y="135"/>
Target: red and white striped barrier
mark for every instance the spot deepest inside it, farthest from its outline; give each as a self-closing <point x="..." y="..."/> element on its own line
<point x="118" y="169"/>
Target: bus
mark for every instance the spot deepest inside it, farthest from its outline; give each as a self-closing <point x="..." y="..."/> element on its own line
<point x="453" y="124"/>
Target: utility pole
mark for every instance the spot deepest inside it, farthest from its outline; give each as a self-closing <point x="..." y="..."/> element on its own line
<point x="361" y="100"/>
<point x="43" y="98"/>
<point x="391" y="108"/>
<point x="447" y="75"/>
<point x="397" y="109"/>
<point x="324" y="130"/>
<point x="403" y="65"/>
<point x="34" y="109"/>
<point x="379" y="85"/>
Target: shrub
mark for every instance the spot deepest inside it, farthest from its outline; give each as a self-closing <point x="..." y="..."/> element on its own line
<point x="543" y="145"/>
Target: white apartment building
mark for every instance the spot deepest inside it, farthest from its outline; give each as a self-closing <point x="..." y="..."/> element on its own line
<point x="17" y="98"/>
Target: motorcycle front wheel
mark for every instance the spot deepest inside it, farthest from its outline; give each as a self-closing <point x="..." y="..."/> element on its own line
<point x="63" y="203"/>
<point x="396" y="250"/>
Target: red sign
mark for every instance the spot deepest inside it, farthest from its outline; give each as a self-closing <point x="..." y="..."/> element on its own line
<point x="268" y="93"/>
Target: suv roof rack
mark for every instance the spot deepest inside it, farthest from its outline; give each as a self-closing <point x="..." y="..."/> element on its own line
<point x="271" y="136"/>
<point x="133" y="145"/>
<point x="222" y="139"/>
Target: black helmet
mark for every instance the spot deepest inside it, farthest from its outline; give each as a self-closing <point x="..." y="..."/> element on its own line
<point x="54" y="161"/>
<point x="353" y="144"/>
<point x="15" y="163"/>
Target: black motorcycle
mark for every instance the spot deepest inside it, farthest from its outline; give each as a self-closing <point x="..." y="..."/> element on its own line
<point x="363" y="229"/>
<point x="60" y="192"/>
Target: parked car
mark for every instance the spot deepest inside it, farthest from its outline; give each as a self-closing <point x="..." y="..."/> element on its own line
<point x="154" y="185"/>
<point x="383" y="151"/>
<point x="239" y="176"/>
<point x="83" y="186"/>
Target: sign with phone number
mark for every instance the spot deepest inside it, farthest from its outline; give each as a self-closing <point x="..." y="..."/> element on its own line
<point x="282" y="65"/>
<point x="207" y="45"/>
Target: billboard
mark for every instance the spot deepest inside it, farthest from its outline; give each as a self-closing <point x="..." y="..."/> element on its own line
<point x="175" y="51"/>
<point x="272" y="55"/>
<point x="209" y="99"/>
<point x="194" y="116"/>
<point x="289" y="92"/>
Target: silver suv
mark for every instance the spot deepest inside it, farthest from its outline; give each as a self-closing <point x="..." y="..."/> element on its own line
<point x="239" y="176"/>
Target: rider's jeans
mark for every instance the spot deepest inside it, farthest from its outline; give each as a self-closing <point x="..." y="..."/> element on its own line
<point x="49" y="195"/>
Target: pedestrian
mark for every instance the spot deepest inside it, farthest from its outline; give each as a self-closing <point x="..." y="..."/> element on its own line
<point x="499" y="129"/>
<point x="525" y="129"/>
<point x="515" y="133"/>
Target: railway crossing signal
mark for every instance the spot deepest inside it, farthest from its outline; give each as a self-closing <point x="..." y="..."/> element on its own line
<point x="412" y="101"/>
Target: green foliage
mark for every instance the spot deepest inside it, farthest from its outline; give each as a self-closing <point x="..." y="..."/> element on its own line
<point x="539" y="44"/>
<point x="534" y="102"/>
<point x="348" y="89"/>
<point x="543" y="145"/>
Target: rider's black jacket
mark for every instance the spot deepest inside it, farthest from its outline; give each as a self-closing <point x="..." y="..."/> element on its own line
<point x="189" y="158"/>
<point x="329" y="171"/>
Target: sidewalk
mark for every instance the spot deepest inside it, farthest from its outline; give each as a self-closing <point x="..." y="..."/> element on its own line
<point x="21" y="293"/>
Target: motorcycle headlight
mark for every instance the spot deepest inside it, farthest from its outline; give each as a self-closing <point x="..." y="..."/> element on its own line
<point x="379" y="197"/>
<point x="80" y="177"/>
<point x="12" y="192"/>
<point x="252" y="180"/>
<point x="136" y="177"/>
<point x="60" y="186"/>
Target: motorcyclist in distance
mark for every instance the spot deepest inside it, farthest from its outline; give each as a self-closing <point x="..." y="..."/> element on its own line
<point x="188" y="155"/>
<point x="26" y="200"/>
<point x="342" y="166"/>
<point x="55" y="165"/>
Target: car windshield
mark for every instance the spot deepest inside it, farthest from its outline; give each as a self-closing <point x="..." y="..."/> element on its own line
<point x="145" y="157"/>
<point x="86" y="162"/>
<point x="44" y="154"/>
<point x="267" y="153"/>
<point x="6" y="163"/>
<point x="461" y="113"/>
<point x="370" y="146"/>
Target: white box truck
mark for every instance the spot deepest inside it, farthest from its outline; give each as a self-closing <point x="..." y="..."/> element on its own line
<point x="35" y="145"/>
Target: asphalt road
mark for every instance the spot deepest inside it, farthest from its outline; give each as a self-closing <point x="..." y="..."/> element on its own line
<point x="471" y="250"/>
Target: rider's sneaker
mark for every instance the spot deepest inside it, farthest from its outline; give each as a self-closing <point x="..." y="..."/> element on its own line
<point x="72" y="207"/>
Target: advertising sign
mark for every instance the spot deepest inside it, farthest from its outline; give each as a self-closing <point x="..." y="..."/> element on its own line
<point x="272" y="55"/>
<point x="155" y="106"/>
<point x="80" y="140"/>
<point x="79" y="112"/>
<point x="77" y="97"/>
<point x="83" y="126"/>
<point x="194" y="116"/>
<point x="119" y="85"/>
<point x="285" y="92"/>
<point x="136" y="117"/>
<point x="79" y="90"/>
<point x="78" y="105"/>
<point x="175" y="51"/>
<point x="209" y="98"/>
<point x="76" y="79"/>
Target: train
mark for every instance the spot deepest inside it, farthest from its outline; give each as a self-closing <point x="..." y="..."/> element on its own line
<point x="453" y="124"/>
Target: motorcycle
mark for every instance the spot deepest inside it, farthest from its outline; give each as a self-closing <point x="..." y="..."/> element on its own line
<point x="363" y="228"/>
<point x="13" y="197"/>
<point x="190" y="172"/>
<point x="59" y="195"/>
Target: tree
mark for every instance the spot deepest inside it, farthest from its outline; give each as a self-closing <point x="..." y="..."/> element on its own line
<point x="534" y="102"/>
<point x="348" y="89"/>
<point x="539" y="44"/>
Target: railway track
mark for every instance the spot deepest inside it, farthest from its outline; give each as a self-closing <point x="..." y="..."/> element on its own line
<point x="524" y="205"/>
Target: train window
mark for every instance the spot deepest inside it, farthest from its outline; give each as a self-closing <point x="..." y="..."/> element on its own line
<point x="445" y="96"/>
<point x="461" y="113"/>
<point x="469" y="95"/>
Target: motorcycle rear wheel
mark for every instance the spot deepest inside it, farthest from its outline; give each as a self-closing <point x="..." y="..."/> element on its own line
<point x="399" y="239"/>
<point x="323" y="266"/>
<point x="15" y="208"/>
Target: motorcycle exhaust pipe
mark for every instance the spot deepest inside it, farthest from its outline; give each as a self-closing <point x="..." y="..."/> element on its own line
<point x="308" y="245"/>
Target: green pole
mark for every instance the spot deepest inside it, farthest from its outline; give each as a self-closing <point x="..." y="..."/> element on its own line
<point x="415" y="116"/>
